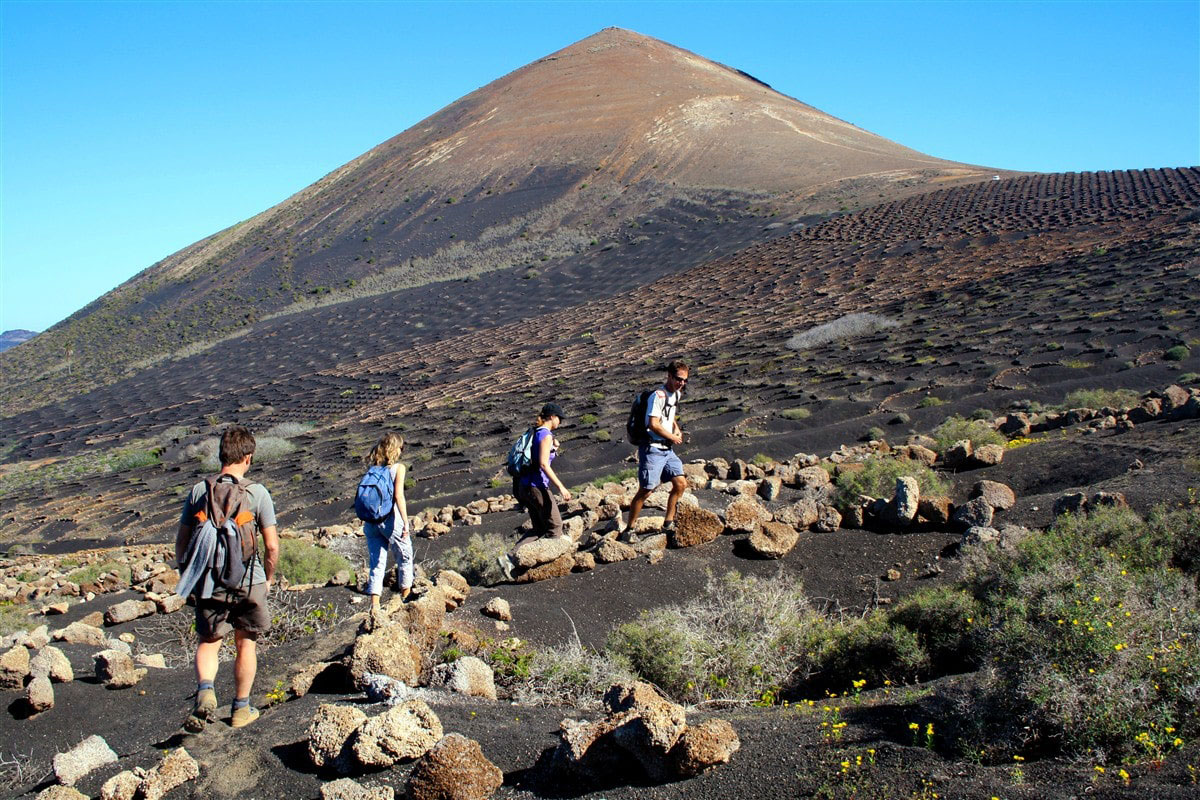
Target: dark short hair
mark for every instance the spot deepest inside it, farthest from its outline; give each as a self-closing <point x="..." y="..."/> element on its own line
<point x="675" y="366"/>
<point x="237" y="442"/>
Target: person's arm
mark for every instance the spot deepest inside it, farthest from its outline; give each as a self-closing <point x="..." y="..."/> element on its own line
<point x="398" y="493"/>
<point x="544" y="463"/>
<point x="270" y="552"/>
<point x="673" y="435"/>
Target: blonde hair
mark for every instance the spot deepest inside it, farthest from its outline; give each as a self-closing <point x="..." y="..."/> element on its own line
<point x="387" y="451"/>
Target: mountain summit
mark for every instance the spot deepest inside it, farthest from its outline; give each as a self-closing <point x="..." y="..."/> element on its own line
<point x="539" y="167"/>
<point x="634" y="108"/>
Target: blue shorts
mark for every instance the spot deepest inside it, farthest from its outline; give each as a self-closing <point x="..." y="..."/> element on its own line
<point x="656" y="466"/>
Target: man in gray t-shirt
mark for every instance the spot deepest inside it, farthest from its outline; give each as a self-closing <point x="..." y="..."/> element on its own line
<point x="244" y="611"/>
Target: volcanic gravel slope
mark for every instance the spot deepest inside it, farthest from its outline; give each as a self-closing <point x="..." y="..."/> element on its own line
<point x="1012" y="291"/>
<point x="574" y="149"/>
<point x="1005" y="291"/>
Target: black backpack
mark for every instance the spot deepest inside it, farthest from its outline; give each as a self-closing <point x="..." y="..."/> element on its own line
<point x="635" y="425"/>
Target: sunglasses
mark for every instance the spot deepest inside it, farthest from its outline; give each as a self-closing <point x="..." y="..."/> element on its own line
<point x="679" y="379"/>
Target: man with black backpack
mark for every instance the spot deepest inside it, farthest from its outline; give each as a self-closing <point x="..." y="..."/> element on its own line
<point x="222" y="568"/>
<point x="656" y="432"/>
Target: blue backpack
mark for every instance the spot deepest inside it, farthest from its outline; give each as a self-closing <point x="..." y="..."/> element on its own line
<point x="376" y="495"/>
<point x="520" y="455"/>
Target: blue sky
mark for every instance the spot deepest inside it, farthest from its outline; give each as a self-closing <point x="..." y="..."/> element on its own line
<point x="130" y="130"/>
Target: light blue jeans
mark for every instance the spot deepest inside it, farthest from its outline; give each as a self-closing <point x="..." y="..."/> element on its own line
<point x="379" y="542"/>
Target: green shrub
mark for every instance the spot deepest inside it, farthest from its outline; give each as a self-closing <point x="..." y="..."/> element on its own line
<point x="956" y="428"/>
<point x="870" y="648"/>
<point x="742" y="639"/>
<point x="596" y="397"/>
<point x="1090" y="640"/>
<point x="602" y="436"/>
<point x="288" y="430"/>
<point x="569" y="675"/>
<point x="588" y="419"/>
<point x="1101" y="398"/>
<point x="269" y="448"/>
<point x="14" y="617"/>
<point x="878" y="476"/>
<point x="1177" y="353"/>
<point x="92" y="572"/>
<point x="458" y="441"/>
<point x="985" y="414"/>
<point x="930" y="402"/>
<point x="302" y="562"/>
<point x="797" y="413"/>
<point x="614" y="477"/>
<point x="943" y="620"/>
<point x="1189" y="377"/>
<point x="477" y="560"/>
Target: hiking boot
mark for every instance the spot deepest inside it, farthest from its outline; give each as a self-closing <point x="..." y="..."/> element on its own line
<point x="204" y="712"/>
<point x="243" y="716"/>
<point x="627" y="536"/>
<point x="505" y="567"/>
<point x="668" y="526"/>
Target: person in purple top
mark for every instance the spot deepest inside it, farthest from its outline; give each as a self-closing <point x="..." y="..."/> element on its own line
<point x="533" y="487"/>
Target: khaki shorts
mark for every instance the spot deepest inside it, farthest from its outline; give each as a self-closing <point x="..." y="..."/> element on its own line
<point x="222" y="613"/>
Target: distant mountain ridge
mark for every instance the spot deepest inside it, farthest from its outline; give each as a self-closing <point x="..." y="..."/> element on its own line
<point x="535" y="168"/>
<point x="15" y="337"/>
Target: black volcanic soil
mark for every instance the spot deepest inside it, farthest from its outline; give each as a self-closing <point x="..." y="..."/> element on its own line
<point x="1011" y="293"/>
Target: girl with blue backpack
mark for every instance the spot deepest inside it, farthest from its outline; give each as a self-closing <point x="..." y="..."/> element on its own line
<point x="379" y="503"/>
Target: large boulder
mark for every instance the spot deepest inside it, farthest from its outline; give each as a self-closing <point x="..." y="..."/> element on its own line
<point x="611" y="551"/>
<point x="704" y="746"/>
<point x="773" y="539"/>
<point x="542" y="551"/>
<point x="801" y="514"/>
<point x="454" y="769"/>
<point x="14" y="667"/>
<point x="81" y="633"/>
<point x="829" y="519"/>
<point x="694" y="526"/>
<point x="988" y="455"/>
<point x="426" y="616"/>
<point x="467" y="675"/>
<point x="769" y="488"/>
<point x="330" y="736"/>
<point x="128" y="611"/>
<point x="92" y="753"/>
<point x="116" y="670"/>
<point x="401" y="733"/>
<point x="973" y="513"/>
<point x="811" y="478"/>
<point x="388" y="650"/>
<point x="902" y="508"/>
<point x="348" y="789"/>
<point x="498" y="608"/>
<point x="744" y="515"/>
<point x="935" y="510"/>
<point x="39" y="694"/>
<point x="646" y="725"/>
<point x="177" y="768"/>
<point x="57" y="792"/>
<point x="555" y="569"/>
<point x="997" y="495"/>
<point x="958" y="454"/>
